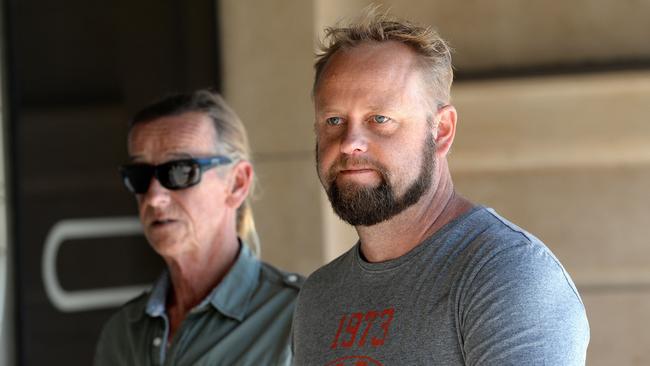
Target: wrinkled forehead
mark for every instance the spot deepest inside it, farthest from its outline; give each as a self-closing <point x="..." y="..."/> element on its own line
<point x="190" y="133"/>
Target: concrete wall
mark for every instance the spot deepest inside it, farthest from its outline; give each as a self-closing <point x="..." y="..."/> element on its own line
<point x="565" y="157"/>
<point x="267" y="53"/>
<point x="511" y="33"/>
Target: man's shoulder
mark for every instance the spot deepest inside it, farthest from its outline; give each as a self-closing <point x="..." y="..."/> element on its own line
<point x="507" y="269"/>
<point x="501" y="251"/>
<point x="280" y="278"/>
<point x="494" y="233"/>
<point x="486" y="241"/>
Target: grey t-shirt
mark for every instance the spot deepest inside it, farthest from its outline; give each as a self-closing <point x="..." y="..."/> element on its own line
<point x="480" y="291"/>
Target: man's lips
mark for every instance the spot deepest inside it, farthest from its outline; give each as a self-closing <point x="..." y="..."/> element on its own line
<point x="357" y="175"/>
<point x="161" y="222"/>
<point x="356" y="171"/>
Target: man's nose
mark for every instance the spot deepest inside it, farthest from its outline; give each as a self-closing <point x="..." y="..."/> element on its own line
<point x="354" y="140"/>
<point x="156" y="195"/>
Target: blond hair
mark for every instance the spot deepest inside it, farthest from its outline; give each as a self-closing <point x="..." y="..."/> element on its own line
<point x="232" y="140"/>
<point x="376" y="26"/>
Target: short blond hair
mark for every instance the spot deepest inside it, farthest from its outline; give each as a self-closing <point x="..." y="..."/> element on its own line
<point x="374" y="25"/>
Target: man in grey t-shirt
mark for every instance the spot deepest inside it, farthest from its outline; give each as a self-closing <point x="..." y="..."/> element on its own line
<point x="434" y="279"/>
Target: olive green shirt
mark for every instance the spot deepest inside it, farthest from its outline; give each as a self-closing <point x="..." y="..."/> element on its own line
<point x="245" y="320"/>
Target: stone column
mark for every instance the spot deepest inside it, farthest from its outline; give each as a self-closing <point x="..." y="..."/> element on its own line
<point x="267" y="49"/>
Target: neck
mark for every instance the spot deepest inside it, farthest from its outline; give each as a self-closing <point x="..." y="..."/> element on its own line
<point x="400" y="234"/>
<point x="194" y="275"/>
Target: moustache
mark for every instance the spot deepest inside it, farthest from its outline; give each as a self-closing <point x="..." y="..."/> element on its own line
<point x="349" y="162"/>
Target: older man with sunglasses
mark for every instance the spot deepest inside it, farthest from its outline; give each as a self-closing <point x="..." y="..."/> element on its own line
<point x="216" y="304"/>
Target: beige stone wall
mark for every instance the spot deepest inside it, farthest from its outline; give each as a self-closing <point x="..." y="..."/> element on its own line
<point x="267" y="53"/>
<point x="497" y="33"/>
<point x="565" y="157"/>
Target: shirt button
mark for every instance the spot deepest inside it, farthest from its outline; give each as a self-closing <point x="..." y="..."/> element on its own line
<point x="157" y="341"/>
<point x="292" y="278"/>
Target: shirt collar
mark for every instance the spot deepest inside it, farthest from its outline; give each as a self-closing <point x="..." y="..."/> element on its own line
<point x="230" y="297"/>
<point x="158" y="297"/>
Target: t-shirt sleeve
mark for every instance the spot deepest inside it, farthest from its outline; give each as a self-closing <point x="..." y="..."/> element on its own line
<point x="521" y="308"/>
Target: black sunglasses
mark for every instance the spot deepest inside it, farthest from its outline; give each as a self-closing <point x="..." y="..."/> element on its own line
<point x="174" y="175"/>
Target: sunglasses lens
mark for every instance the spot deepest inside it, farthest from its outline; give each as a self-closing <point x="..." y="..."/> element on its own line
<point x="179" y="174"/>
<point x="137" y="177"/>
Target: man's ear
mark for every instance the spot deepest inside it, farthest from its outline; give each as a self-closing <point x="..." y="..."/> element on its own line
<point x="240" y="183"/>
<point x="444" y="129"/>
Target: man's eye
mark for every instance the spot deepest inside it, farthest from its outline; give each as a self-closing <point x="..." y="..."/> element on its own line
<point x="333" y="121"/>
<point x="380" y="119"/>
